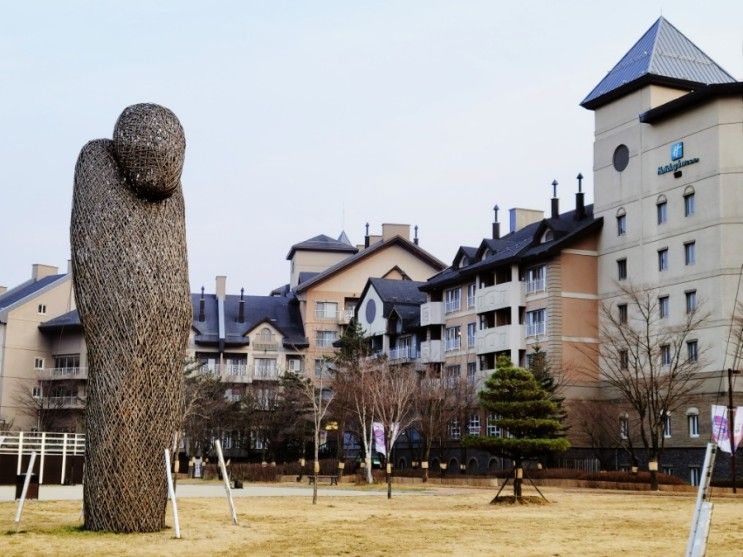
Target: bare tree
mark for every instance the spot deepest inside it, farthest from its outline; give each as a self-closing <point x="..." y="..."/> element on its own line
<point x="52" y="404"/>
<point x="432" y="402"/>
<point x="319" y="399"/>
<point x="392" y="392"/>
<point x="652" y="366"/>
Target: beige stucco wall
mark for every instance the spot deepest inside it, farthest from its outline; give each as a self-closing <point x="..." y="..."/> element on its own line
<point x="313" y="262"/>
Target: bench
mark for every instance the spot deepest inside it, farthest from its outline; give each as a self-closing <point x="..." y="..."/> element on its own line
<point x="332" y="478"/>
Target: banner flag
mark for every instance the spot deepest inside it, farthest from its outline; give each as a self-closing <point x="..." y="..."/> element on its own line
<point x="378" y="429"/>
<point x="720" y="431"/>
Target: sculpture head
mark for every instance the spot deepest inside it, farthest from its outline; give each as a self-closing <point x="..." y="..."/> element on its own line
<point x="149" y="144"/>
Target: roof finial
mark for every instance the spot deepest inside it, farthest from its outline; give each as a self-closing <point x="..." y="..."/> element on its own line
<point x="554" y="188"/>
<point x="242" y="291"/>
<point x="202" y="291"/>
<point x="495" y="210"/>
<point x="580" y="182"/>
<point x="415" y="238"/>
<point x="367" y="228"/>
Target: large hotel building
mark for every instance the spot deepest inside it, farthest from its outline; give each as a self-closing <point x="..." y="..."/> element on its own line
<point x="667" y="217"/>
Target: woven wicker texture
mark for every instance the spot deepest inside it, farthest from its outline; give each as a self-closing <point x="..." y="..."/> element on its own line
<point x="131" y="287"/>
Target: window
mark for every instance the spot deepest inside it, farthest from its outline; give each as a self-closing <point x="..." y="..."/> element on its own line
<point x="36" y="392"/>
<point x="452" y="375"/>
<point x="692" y="350"/>
<point x="38" y="363"/>
<point x="623" y="359"/>
<point x="326" y="310"/>
<point x="690" y="253"/>
<point x="695" y="475"/>
<point x="624" y="427"/>
<point x="689" y="205"/>
<point x="471" y="328"/>
<point x="535" y="279"/>
<point x="319" y="363"/>
<point x="326" y="338"/>
<point x="265" y="368"/>
<point x="621" y="269"/>
<point x="474" y="425"/>
<point x="452" y="339"/>
<point x="621" y="222"/>
<point x="663" y="307"/>
<point x="454" y="432"/>
<point x="492" y="429"/>
<point x="691" y="301"/>
<point x="622" y="313"/>
<point x="663" y="259"/>
<point x="668" y="470"/>
<point x="471" y="289"/>
<point x="662" y="209"/>
<point x="471" y="372"/>
<point x="620" y="159"/>
<point x="667" y="426"/>
<point x="453" y="299"/>
<point x="665" y="355"/>
<point x="692" y="421"/>
<point x="535" y="324"/>
<point x="42" y="309"/>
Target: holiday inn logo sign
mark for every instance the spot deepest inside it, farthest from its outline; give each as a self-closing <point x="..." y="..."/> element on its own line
<point x="677" y="159"/>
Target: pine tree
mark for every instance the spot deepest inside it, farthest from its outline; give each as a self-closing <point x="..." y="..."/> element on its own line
<point x="523" y="409"/>
<point x="540" y="369"/>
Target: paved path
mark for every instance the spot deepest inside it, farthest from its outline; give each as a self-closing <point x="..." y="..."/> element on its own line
<point x="75" y="492"/>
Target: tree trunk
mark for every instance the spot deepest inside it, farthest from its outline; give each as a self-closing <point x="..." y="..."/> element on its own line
<point x="426" y="457"/>
<point x="388" y="475"/>
<point x="653" y="480"/>
<point x="518" y="474"/>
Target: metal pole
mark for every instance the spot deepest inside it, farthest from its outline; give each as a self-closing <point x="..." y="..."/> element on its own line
<point x="731" y="425"/>
<point x="27" y="481"/>
<point x="227" y="489"/>
<point x="171" y="492"/>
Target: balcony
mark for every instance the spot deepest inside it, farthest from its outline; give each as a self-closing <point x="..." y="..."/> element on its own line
<point x="345" y="316"/>
<point x="432" y="313"/>
<point x="61" y="402"/>
<point x="500" y="296"/>
<point x="261" y="373"/>
<point x="62" y="373"/>
<point x="497" y="339"/>
<point x="267" y="343"/>
<point x="404" y="354"/>
<point x="431" y="351"/>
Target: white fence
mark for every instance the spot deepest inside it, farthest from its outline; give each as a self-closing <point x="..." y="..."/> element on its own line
<point x="45" y="444"/>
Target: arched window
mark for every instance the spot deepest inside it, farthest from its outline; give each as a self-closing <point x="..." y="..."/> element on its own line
<point x="661" y="205"/>
<point x="692" y="421"/>
<point x="689" y="203"/>
<point x="266" y="334"/>
<point x="621" y="222"/>
<point x="624" y="426"/>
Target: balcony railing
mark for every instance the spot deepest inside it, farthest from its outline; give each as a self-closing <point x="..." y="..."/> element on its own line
<point x="240" y="370"/>
<point x="51" y="402"/>
<point x="325" y="342"/>
<point x="266" y="373"/>
<point x="345" y="316"/>
<point x="431" y="314"/>
<point x="266" y="343"/>
<point x="404" y="353"/>
<point x="431" y="351"/>
<point x="61" y="373"/>
<point x="471" y="301"/>
<point x="326" y="314"/>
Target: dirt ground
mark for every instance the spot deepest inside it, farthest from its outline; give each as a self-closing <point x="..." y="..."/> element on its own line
<point x="446" y="521"/>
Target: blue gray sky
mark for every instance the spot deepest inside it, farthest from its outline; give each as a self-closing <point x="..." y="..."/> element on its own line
<point x="312" y="117"/>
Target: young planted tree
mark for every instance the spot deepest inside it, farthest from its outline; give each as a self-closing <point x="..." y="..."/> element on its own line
<point x="650" y="363"/>
<point x="431" y="402"/>
<point x="319" y="399"/>
<point x="524" y="409"/>
<point x="392" y="392"/>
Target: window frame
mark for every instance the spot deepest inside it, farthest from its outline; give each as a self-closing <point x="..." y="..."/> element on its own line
<point x="690" y="253"/>
<point x="692" y="424"/>
<point x="622" y="269"/>
<point x="662" y="260"/>
<point x="664" y="306"/>
<point x="661" y="212"/>
<point x="692" y="350"/>
<point x="621" y="222"/>
<point x="691" y="301"/>
<point x="690" y="205"/>
<point x="665" y="354"/>
<point x="452" y="299"/>
<point x="534" y="326"/>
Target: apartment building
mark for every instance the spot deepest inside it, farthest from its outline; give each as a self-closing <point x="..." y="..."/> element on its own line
<point x="513" y="293"/>
<point x="327" y="298"/>
<point x="668" y="170"/>
<point x="39" y="369"/>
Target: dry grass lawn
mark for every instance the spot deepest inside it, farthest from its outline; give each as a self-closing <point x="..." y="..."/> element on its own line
<point x="450" y="522"/>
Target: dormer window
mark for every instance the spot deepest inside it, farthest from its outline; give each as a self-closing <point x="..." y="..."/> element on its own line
<point x="487" y="253"/>
<point x="548" y="236"/>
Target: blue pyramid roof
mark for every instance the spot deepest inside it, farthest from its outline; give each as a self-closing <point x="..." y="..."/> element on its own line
<point x="663" y="55"/>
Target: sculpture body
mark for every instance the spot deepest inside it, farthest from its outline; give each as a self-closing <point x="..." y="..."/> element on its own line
<point x="131" y="286"/>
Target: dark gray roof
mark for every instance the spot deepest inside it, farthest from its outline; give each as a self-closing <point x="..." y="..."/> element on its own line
<point x="350" y="260"/>
<point x="282" y="312"/>
<point x="522" y="245"/>
<point x="663" y="55"/>
<point x="399" y="291"/>
<point x="323" y="243"/>
<point x="26" y="289"/>
<point x="410" y="315"/>
<point x="68" y="322"/>
<point x="282" y="290"/>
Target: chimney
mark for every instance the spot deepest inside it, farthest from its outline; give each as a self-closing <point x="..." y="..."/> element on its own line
<point x="221" y="287"/>
<point x="391" y="230"/>
<point x="580" y="202"/>
<point x="523" y="217"/>
<point x="366" y="236"/>
<point x="555" y="201"/>
<point x="241" y="311"/>
<point x="3" y="289"/>
<point x="202" y="317"/>
<point x="496" y="224"/>
<point x="39" y="271"/>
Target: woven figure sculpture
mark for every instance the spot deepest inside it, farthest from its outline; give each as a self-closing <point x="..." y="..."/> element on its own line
<point x="131" y="285"/>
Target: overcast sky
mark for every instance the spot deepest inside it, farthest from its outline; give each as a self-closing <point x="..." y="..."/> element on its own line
<point x="306" y="118"/>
